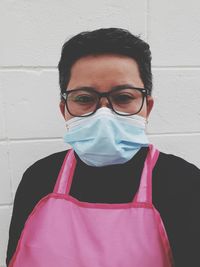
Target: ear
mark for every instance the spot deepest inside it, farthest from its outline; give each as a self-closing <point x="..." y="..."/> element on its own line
<point x="150" y="102"/>
<point x="62" y="108"/>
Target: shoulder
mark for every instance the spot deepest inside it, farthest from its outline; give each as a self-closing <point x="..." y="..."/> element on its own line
<point x="176" y="164"/>
<point x="40" y="177"/>
<point x="50" y="161"/>
<point x="176" y="174"/>
<point x="48" y="165"/>
<point x="175" y="188"/>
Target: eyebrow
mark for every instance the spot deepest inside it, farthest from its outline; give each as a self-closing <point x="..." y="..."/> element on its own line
<point x="123" y="86"/>
<point x="117" y="87"/>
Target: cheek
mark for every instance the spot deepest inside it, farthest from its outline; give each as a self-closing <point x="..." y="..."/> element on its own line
<point x="67" y="115"/>
<point x="143" y="111"/>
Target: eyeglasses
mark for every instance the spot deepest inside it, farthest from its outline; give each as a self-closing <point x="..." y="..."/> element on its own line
<point x="85" y="102"/>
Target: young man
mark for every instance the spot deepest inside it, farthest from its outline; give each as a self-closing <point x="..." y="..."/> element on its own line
<point x="110" y="213"/>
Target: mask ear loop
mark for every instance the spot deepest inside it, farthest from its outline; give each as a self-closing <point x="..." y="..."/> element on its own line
<point x="146" y="119"/>
<point x="146" y="123"/>
<point x="67" y="126"/>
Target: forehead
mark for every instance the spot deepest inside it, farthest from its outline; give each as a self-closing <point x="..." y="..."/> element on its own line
<point x="105" y="69"/>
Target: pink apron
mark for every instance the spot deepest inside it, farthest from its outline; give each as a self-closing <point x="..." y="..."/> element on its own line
<point x="62" y="231"/>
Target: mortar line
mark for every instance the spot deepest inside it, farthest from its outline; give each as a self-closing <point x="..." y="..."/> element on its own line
<point x="36" y="68"/>
<point x="177" y="67"/>
<point x="6" y="205"/>
<point x="35" y="139"/>
<point x="174" y="134"/>
<point x="54" y="68"/>
<point x="147" y="18"/>
<point x="46" y="139"/>
<point x="10" y="170"/>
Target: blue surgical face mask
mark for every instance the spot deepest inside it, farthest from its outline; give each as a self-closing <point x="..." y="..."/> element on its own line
<point x="106" y="138"/>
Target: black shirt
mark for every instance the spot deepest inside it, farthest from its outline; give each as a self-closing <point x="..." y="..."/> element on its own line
<point x="175" y="188"/>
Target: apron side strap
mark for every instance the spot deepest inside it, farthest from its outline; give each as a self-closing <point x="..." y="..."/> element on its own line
<point x="154" y="157"/>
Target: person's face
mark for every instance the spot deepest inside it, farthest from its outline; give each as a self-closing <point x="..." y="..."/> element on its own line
<point x="102" y="72"/>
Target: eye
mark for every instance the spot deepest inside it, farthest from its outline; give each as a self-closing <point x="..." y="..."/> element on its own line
<point x="123" y="98"/>
<point x="83" y="99"/>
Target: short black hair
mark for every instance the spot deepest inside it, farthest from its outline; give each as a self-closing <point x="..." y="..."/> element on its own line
<point x="101" y="41"/>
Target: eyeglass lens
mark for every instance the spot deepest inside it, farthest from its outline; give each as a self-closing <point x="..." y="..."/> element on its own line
<point x="127" y="100"/>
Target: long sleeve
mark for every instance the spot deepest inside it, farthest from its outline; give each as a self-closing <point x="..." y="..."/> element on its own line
<point x="37" y="181"/>
<point x="20" y="213"/>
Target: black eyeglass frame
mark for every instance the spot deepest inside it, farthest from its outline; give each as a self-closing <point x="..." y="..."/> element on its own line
<point x="145" y="92"/>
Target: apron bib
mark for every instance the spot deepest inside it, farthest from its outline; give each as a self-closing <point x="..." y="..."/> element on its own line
<point x="65" y="232"/>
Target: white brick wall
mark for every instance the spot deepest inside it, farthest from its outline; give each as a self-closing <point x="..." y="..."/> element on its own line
<point x="32" y="33"/>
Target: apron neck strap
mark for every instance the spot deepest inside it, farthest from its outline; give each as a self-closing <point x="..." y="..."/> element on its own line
<point x="66" y="173"/>
<point x="144" y="193"/>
